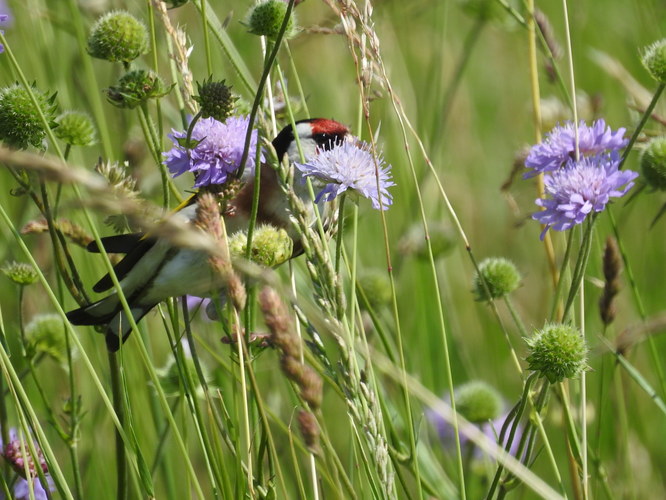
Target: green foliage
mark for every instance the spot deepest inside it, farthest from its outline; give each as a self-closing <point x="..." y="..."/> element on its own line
<point x="20" y="123"/>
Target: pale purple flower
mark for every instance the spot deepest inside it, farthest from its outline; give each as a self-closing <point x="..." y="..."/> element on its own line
<point x="13" y="453"/>
<point x="22" y="489"/>
<point x="581" y="188"/>
<point x="216" y="150"/>
<point x="559" y="146"/>
<point x="490" y="429"/>
<point x="350" y="166"/>
<point x="3" y="21"/>
<point x="197" y="304"/>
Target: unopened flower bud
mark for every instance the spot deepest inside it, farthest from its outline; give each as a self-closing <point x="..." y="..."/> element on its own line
<point x="46" y="334"/>
<point x="136" y="87"/>
<point x="653" y="163"/>
<point x="557" y="352"/>
<point x="270" y="246"/>
<point x="20" y="273"/>
<point x="654" y="60"/>
<point x="501" y="278"/>
<point x="118" y="37"/>
<point x="215" y="99"/>
<point x="75" y="128"/>
<point x="20" y="123"/>
<point x="478" y="401"/>
<point x="376" y="286"/>
<point x="266" y="19"/>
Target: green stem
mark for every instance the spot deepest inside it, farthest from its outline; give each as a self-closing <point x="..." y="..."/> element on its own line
<point x="119" y="407"/>
<point x="339" y="236"/>
<point x="641" y="124"/>
<point x="581" y="265"/>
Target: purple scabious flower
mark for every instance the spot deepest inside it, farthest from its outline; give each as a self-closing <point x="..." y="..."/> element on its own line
<point x="13" y="453"/>
<point x="559" y="145"/>
<point x="491" y="429"/>
<point x="350" y="166"/>
<point x="216" y="150"/>
<point x="581" y="188"/>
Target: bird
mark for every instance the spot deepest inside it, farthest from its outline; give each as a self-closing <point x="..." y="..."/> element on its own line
<point x="153" y="270"/>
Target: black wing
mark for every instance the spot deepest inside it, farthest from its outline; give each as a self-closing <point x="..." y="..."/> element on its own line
<point x="134" y="246"/>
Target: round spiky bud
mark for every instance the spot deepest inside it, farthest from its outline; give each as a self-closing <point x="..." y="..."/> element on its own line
<point x="478" y="401"/>
<point x="557" y="352"/>
<point x="376" y="286"/>
<point x="270" y="246"/>
<point x="215" y="99"/>
<point x="118" y="37"/>
<point x="501" y="277"/>
<point x="654" y="60"/>
<point x="75" y="128"/>
<point x="20" y="273"/>
<point x="266" y="19"/>
<point x="136" y="87"/>
<point x="653" y="163"/>
<point x="20" y="123"/>
<point x="46" y="334"/>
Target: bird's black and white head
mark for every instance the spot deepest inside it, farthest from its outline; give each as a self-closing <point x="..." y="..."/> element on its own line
<point x="314" y="134"/>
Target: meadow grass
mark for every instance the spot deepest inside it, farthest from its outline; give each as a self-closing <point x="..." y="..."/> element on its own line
<point x="374" y="332"/>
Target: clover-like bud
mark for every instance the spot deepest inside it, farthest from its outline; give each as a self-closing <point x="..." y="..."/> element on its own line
<point x="653" y="163"/>
<point x="376" y="286"/>
<point x="478" y="401"/>
<point x="75" y="128"/>
<point x="266" y="18"/>
<point x="654" y="60"/>
<point x="501" y="278"/>
<point x="136" y="87"/>
<point x="270" y="246"/>
<point x="557" y="352"/>
<point x="46" y="334"/>
<point x="118" y="37"/>
<point x="20" y="123"/>
<point x="215" y="99"/>
<point x="20" y="273"/>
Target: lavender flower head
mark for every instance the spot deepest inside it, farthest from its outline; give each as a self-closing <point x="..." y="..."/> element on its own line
<point x="559" y="145"/>
<point x="581" y="188"/>
<point x="350" y="166"/>
<point x="491" y="429"/>
<point x="216" y="150"/>
<point x="13" y="453"/>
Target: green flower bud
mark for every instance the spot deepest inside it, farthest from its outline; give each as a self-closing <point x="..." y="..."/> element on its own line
<point x="215" y="99"/>
<point x="557" y="352"/>
<point x="377" y="287"/>
<point x="136" y="87"/>
<point x="20" y="273"/>
<point x="478" y="401"/>
<point x="442" y="240"/>
<point x="270" y="246"/>
<point x="654" y="60"/>
<point x="501" y="278"/>
<point x="118" y="37"/>
<point x="75" y="128"/>
<point x="46" y="334"/>
<point x="653" y="163"/>
<point x="20" y="123"/>
<point x="172" y="379"/>
<point x="266" y="19"/>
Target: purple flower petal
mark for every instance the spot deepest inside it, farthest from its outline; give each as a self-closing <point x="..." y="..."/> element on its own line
<point x="350" y="166"/>
<point x="581" y="188"/>
<point x="559" y="145"/>
<point x="217" y="153"/>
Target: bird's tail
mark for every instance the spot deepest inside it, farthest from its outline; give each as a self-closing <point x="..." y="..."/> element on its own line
<point x="109" y="312"/>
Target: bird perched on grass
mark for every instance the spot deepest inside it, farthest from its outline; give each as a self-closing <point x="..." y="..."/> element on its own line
<point x="154" y="270"/>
